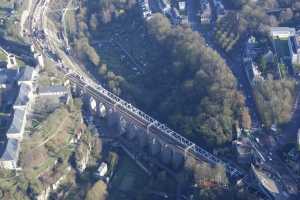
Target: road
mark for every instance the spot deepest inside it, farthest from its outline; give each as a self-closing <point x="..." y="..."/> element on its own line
<point x="37" y="21"/>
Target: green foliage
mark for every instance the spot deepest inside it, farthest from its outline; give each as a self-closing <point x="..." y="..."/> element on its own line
<point x="275" y="100"/>
<point x="226" y="33"/>
<point x="203" y="100"/>
<point x="296" y="68"/>
<point x="98" y="191"/>
<point x="86" y="52"/>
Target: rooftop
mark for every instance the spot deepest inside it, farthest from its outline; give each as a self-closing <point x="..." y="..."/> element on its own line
<point x="26" y="73"/>
<point x="52" y="89"/>
<point x="18" y="119"/>
<point x="11" y="151"/>
<point x="282" y="31"/>
<point x="22" y="98"/>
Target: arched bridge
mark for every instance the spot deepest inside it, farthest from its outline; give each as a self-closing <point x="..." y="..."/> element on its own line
<point x="120" y="110"/>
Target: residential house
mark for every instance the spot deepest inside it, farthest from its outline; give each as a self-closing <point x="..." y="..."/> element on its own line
<point x="164" y="6"/>
<point x="9" y="158"/>
<point x="54" y="90"/>
<point x="24" y="96"/>
<point x="282" y="32"/>
<point x="293" y="38"/>
<point x="102" y="170"/>
<point x="244" y="150"/>
<point x="205" y="12"/>
<point x="298" y="140"/>
<point x="252" y="72"/>
<point x="182" y="6"/>
<point x="17" y="126"/>
<point x="11" y="61"/>
<point x="294" y="47"/>
<point x="144" y="4"/>
<point x="27" y="75"/>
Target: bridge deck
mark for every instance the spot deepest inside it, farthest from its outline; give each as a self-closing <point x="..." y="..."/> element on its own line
<point x="99" y="93"/>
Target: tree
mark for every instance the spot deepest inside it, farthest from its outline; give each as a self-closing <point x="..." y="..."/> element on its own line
<point x="93" y="22"/>
<point x="286" y="15"/>
<point x="246" y="120"/>
<point x="198" y="78"/>
<point x="159" y="26"/>
<point x="275" y="100"/>
<point x="103" y="69"/>
<point x="97" y="192"/>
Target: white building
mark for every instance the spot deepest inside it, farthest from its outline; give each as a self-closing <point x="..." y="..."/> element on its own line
<point x="9" y="158"/>
<point x="102" y="170"/>
<point x="298" y="140"/>
<point x="24" y="97"/>
<point x="27" y="75"/>
<point x="293" y="39"/>
<point x="55" y="90"/>
<point x="282" y="32"/>
<point x="17" y="126"/>
<point x="182" y="6"/>
<point x="11" y="61"/>
<point x="294" y="47"/>
<point x="164" y="6"/>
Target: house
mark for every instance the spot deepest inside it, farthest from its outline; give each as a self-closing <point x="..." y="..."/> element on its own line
<point x="282" y="32"/>
<point x="17" y="126"/>
<point x="24" y="96"/>
<point x="244" y="150"/>
<point x="205" y="12"/>
<point x="252" y="72"/>
<point x="182" y="6"/>
<point x="26" y="75"/>
<point x="164" y="6"/>
<point x="9" y="158"/>
<point x="102" y="170"/>
<point x="298" y="140"/>
<point x="11" y="61"/>
<point x="294" y="48"/>
<point x="144" y="4"/>
<point x="55" y="90"/>
<point x="293" y="39"/>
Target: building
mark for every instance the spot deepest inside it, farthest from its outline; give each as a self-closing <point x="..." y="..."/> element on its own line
<point x="205" y="12"/>
<point x="268" y="184"/>
<point x="55" y="90"/>
<point x="219" y="7"/>
<point x="144" y="4"/>
<point x="9" y="158"/>
<point x="11" y="61"/>
<point x="294" y="48"/>
<point x="17" y="126"/>
<point x="293" y="39"/>
<point x="298" y="140"/>
<point x="252" y="72"/>
<point x="24" y="96"/>
<point x="244" y="150"/>
<point x="102" y="170"/>
<point x="282" y="32"/>
<point x="164" y="6"/>
<point x="26" y="75"/>
<point x="182" y="6"/>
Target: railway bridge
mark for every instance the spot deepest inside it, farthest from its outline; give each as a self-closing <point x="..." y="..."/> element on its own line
<point x="136" y="125"/>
